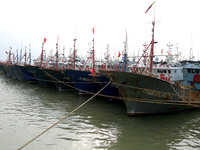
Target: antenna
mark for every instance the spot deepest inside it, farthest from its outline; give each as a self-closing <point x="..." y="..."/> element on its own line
<point x="29" y="53"/>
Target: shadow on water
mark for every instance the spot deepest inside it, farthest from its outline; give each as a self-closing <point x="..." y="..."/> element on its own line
<point x="97" y="125"/>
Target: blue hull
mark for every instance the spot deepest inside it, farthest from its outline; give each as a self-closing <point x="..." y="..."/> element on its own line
<point x="40" y="76"/>
<point x="83" y="81"/>
<point x="110" y="91"/>
<point x="59" y="75"/>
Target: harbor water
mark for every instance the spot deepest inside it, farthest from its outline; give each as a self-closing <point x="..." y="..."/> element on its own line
<point x="27" y="109"/>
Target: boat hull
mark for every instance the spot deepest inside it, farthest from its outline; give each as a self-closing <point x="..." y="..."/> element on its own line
<point x="111" y="92"/>
<point x="18" y="73"/>
<point x="84" y="82"/>
<point x="59" y="76"/>
<point x="27" y="76"/>
<point x="9" y="69"/>
<point x="40" y="76"/>
<point x="2" y="69"/>
<point x="148" y="95"/>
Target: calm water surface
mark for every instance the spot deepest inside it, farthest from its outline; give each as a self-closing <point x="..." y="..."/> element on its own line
<point x="28" y="109"/>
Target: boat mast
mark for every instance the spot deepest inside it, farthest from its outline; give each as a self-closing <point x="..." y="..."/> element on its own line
<point x="25" y="56"/>
<point x="9" y="57"/>
<point x="125" y="52"/>
<point x="21" y="55"/>
<point x="108" y="55"/>
<point x="41" y="55"/>
<point x="17" y="56"/>
<point x="152" y="47"/>
<point x="74" y="53"/>
<point x="93" y="69"/>
<point x="57" y="52"/>
<point x="29" y="54"/>
<point x="42" y="52"/>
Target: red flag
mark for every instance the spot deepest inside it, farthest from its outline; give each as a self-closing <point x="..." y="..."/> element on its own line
<point x="150" y="7"/>
<point x="92" y="72"/>
<point x="119" y="54"/>
<point x="162" y="51"/>
<point x="45" y="40"/>
<point x="93" y="30"/>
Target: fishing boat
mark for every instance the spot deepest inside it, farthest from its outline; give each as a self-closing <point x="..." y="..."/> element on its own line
<point x="143" y="93"/>
<point x="56" y="72"/>
<point x="84" y="79"/>
<point x="8" y="66"/>
<point x="39" y="75"/>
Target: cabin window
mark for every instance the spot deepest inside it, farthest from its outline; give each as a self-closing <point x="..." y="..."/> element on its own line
<point x="197" y="70"/>
<point x="189" y="70"/>
<point x="174" y="71"/>
<point x="154" y="71"/>
<point x="165" y="71"/>
<point x="193" y="70"/>
<point x="169" y="71"/>
<point x="158" y="71"/>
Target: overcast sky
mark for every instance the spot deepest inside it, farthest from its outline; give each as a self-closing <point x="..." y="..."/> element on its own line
<point x="25" y="21"/>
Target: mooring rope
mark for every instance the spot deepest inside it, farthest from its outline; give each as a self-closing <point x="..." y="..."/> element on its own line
<point x="64" y="117"/>
<point x="176" y="92"/>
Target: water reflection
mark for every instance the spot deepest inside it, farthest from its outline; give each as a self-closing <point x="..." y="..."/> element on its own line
<point x="27" y="109"/>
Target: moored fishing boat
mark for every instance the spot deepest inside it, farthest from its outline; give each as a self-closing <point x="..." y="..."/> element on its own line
<point x="143" y="93"/>
<point x="84" y="79"/>
<point x="39" y="75"/>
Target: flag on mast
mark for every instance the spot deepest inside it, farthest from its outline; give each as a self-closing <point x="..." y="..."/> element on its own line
<point x="119" y="54"/>
<point x="162" y="51"/>
<point x="93" y="30"/>
<point x="149" y="7"/>
<point x="45" y="40"/>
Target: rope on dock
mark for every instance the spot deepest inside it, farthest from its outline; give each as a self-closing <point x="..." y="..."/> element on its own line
<point x="64" y="117"/>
